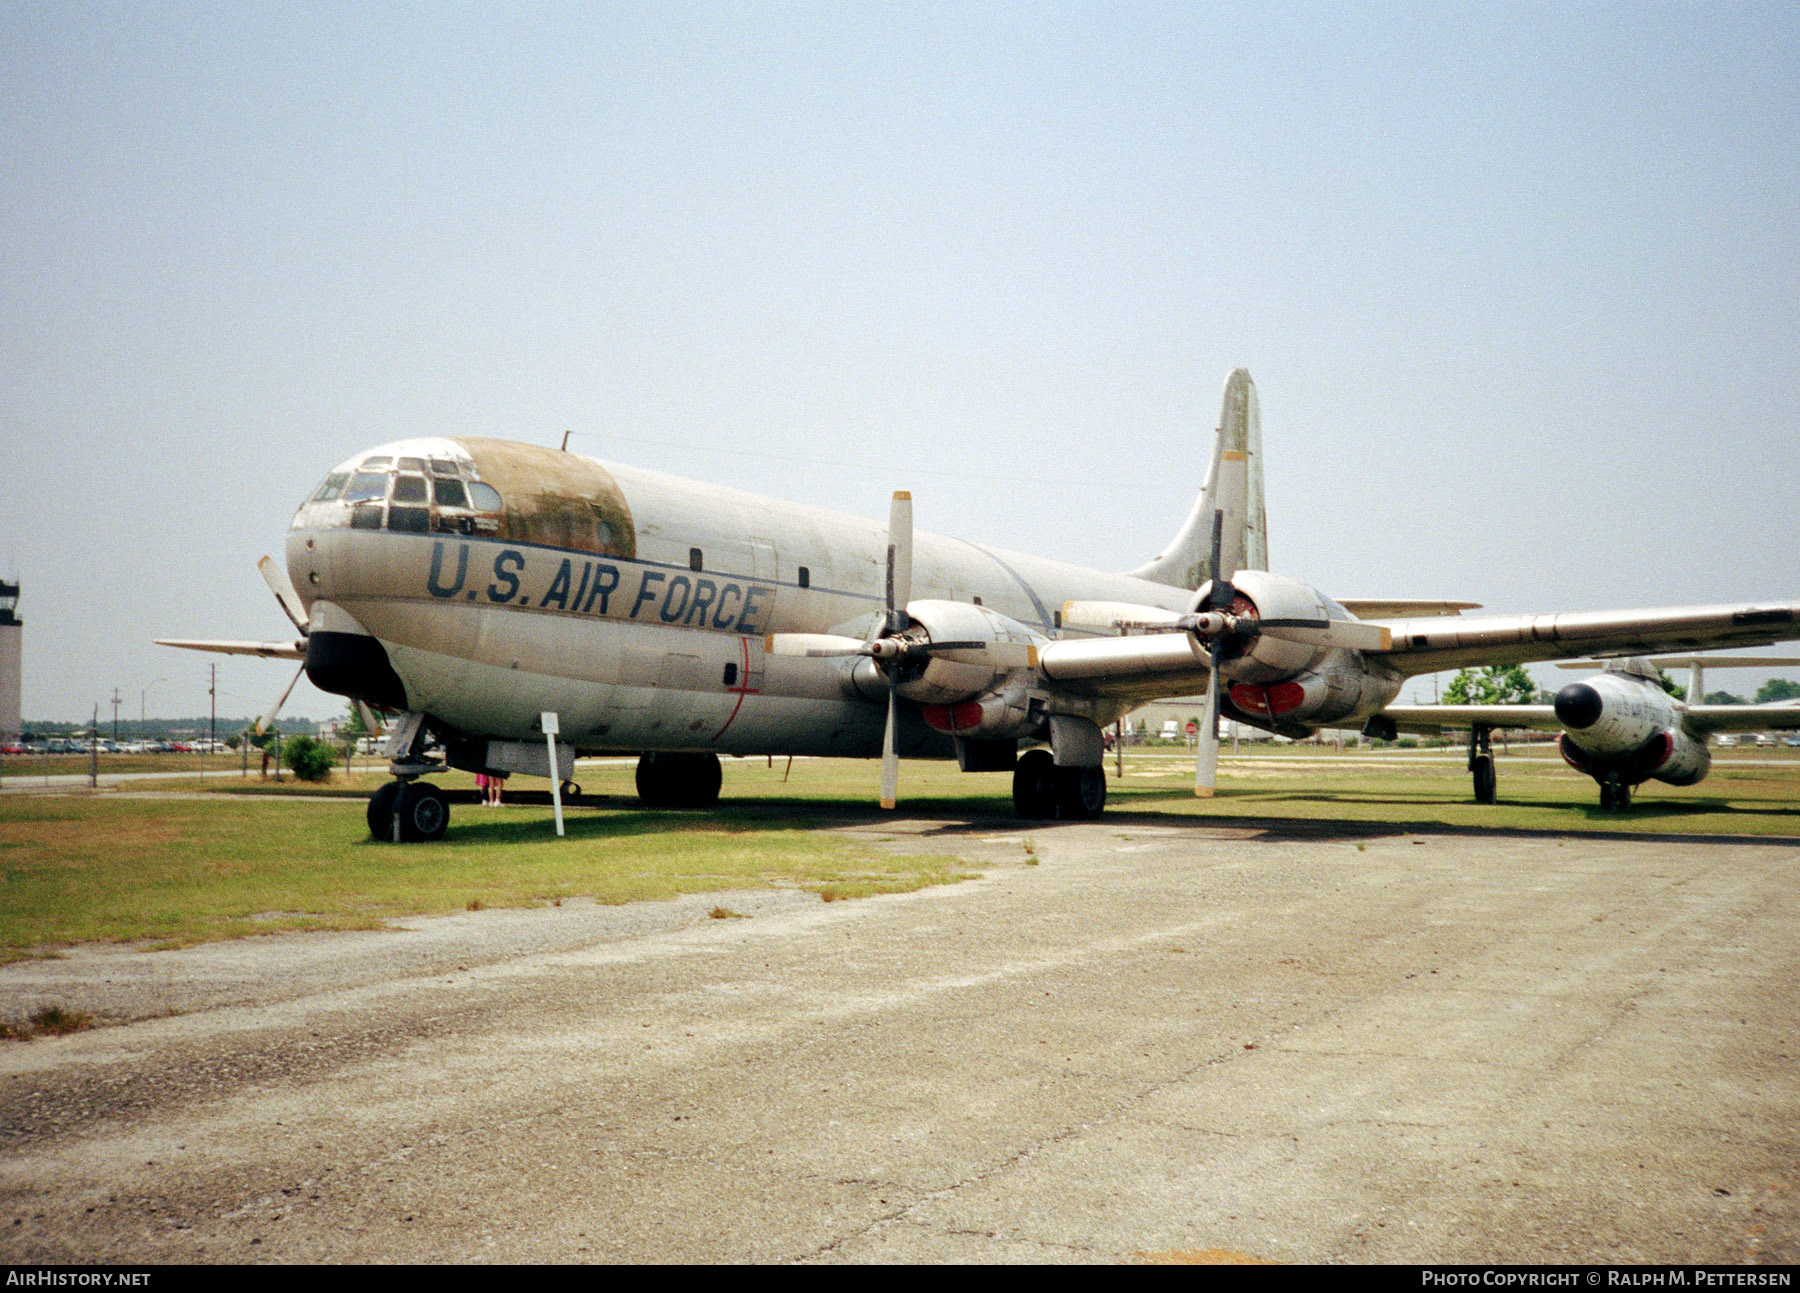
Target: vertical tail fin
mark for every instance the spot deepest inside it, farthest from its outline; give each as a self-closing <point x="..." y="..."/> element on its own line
<point x="1233" y="486"/>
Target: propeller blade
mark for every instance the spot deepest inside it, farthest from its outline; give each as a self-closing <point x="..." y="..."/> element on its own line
<point x="267" y="721"/>
<point x="899" y="560"/>
<point x="370" y="719"/>
<point x="1222" y="593"/>
<point x="1206" y="748"/>
<point x="890" y="755"/>
<point x="813" y="644"/>
<point x="1352" y="634"/>
<point x="284" y="593"/>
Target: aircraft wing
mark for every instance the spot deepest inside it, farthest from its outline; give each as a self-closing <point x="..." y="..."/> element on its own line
<point x="1434" y="718"/>
<point x="267" y="650"/>
<point x="1457" y="642"/>
<point x="1387" y="608"/>
<point x="1743" y="718"/>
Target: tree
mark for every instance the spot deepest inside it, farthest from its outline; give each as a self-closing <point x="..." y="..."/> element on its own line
<point x="1723" y="698"/>
<point x="1670" y="685"/>
<point x="310" y="759"/>
<point x="1778" y="689"/>
<point x="1494" y="685"/>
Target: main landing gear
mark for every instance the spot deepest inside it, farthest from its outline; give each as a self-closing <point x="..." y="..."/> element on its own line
<point x="408" y="812"/>
<point x="1043" y="791"/>
<point x="678" y="780"/>
<point x="1481" y="763"/>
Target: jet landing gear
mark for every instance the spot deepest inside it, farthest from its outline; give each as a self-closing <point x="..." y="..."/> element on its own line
<point x="678" y="780"/>
<point x="408" y="812"/>
<point x="1481" y="763"/>
<point x="1615" y="794"/>
<point x="1042" y="791"/>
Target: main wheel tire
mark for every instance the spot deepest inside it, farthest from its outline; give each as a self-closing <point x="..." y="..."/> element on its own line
<point x="1034" y="785"/>
<point x="423" y="811"/>
<point x="381" y="812"/>
<point x="679" y="780"/>
<point x="1485" y="781"/>
<point x="1080" y="793"/>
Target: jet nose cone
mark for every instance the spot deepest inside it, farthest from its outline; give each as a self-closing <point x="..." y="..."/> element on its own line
<point x="1577" y="706"/>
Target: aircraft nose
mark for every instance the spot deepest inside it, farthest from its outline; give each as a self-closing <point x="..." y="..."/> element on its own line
<point x="1578" y="706"/>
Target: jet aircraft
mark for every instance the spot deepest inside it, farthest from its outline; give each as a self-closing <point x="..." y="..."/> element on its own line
<point x="473" y="587"/>
<point x="1619" y="726"/>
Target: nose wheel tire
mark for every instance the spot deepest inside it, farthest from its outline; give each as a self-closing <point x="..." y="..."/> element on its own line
<point x="1486" y="789"/>
<point x="1615" y="796"/>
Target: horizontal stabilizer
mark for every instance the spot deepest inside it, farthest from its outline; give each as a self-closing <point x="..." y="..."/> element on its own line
<point x="267" y="650"/>
<point x="1433" y="718"/>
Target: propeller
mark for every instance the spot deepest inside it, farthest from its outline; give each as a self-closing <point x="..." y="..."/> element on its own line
<point x="1219" y="599"/>
<point x="899" y="593"/>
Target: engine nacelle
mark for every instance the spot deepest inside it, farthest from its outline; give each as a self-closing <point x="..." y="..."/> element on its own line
<point x="950" y="677"/>
<point x="1264" y="659"/>
<point x="1315" y="697"/>
<point x="1672" y="756"/>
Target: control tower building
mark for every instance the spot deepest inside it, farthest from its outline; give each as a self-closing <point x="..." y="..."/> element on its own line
<point x="12" y="635"/>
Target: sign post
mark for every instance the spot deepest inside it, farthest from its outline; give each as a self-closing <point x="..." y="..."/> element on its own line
<point x="551" y="727"/>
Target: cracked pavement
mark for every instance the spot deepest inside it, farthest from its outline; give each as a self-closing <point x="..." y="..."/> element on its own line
<point x="1147" y="1039"/>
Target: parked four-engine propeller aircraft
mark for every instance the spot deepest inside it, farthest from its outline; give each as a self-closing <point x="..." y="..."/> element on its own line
<point x="1619" y="726"/>
<point x="472" y="586"/>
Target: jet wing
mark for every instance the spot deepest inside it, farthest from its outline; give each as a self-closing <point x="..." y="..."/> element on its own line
<point x="1743" y="718"/>
<point x="1434" y="718"/>
<point x="1457" y="642"/>
<point x="267" y="650"/>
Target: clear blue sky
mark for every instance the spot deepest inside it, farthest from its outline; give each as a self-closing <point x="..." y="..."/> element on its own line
<point x="1517" y="284"/>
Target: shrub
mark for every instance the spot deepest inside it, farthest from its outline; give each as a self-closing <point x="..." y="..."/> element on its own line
<point x="310" y="759"/>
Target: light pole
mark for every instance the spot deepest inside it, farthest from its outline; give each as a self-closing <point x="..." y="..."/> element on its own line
<point x="143" y="692"/>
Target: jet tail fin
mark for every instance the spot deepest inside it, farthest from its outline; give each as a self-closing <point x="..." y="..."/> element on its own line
<point x="1234" y="486"/>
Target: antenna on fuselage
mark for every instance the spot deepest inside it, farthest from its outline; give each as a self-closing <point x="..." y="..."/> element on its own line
<point x="565" y="443"/>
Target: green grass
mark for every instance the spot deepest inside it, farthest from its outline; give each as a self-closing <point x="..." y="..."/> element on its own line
<point x="155" y="861"/>
<point x="176" y="871"/>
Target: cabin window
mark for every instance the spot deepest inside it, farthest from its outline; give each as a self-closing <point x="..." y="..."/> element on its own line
<point x="730" y="675"/>
<point x="410" y="489"/>
<point x="450" y="493"/>
<point x="978" y="601"/>
<point x="409" y="520"/>
<point x="485" y="497"/>
<point x="366" y="485"/>
<point x="1059" y="619"/>
<point x="603" y="532"/>
<point x="805" y="577"/>
<point x="695" y="561"/>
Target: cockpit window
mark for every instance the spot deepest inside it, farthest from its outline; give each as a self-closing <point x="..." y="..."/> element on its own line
<point x="450" y="493"/>
<point x="366" y="485"/>
<point x="410" y="489"/>
<point x="333" y="486"/>
<point x="485" y="497"/>
<point x="412" y="464"/>
<point x="377" y="464"/>
<point x="443" y="467"/>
